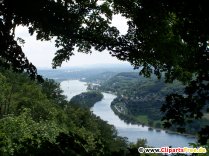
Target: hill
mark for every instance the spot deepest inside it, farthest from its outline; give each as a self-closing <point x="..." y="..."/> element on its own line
<point x="139" y="99"/>
<point x="36" y="119"/>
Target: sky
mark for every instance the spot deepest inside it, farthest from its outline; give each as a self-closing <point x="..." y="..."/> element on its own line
<point x="41" y="53"/>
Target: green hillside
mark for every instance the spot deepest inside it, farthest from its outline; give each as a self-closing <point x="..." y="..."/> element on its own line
<point x="139" y="99"/>
<point x="36" y="119"/>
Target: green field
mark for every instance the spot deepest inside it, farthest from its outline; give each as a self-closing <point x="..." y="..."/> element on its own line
<point x="142" y="119"/>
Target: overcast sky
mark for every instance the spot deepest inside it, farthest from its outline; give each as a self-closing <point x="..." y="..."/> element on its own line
<point x="41" y="53"/>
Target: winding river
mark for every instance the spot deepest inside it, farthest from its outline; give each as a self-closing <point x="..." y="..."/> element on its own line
<point x="131" y="131"/>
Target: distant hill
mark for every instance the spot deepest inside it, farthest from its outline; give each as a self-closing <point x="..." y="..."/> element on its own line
<point x="89" y="72"/>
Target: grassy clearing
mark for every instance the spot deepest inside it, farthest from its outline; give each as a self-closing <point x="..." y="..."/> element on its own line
<point x="142" y="119"/>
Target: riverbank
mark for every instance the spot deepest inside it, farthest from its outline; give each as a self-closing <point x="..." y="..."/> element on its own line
<point x="133" y="131"/>
<point x="143" y="121"/>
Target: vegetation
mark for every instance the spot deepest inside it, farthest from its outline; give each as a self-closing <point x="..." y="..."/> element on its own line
<point x="87" y="99"/>
<point x="72" y="24"/>
<point x="139" y="100"/>
<point x="169" y="37"/>
<point x="37" y="120"/>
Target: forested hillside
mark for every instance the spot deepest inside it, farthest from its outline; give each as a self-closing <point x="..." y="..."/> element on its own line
<point x="168" y="38"/>
<point x="36" y="119"/>
<point x="139" y="99"/>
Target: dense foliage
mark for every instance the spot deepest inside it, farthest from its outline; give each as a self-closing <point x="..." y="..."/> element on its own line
<point x="87" y="99"/>
<point x="163" y="36"/>
<point x="73" y="24"/>
<point x="37" y="120"/>
<point x="170" y="37"/>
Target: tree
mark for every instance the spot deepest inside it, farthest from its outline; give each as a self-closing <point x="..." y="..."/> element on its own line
<point x="72" y="23"/>
<point x="36" y="123"/>
<point x="165" y="37"/>
<point x="53" y="91"/>
<point x="15" y="130"/>
<point x="170" y="37"/>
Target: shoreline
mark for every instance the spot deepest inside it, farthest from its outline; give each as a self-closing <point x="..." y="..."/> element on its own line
<point x="132" y="121"/>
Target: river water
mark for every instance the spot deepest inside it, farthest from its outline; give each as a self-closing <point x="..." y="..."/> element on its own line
<point x="73" y="87"/>
<point x="131" y="131"/>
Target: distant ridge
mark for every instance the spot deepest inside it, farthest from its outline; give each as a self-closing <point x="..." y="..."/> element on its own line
<point x="102" y="65"/>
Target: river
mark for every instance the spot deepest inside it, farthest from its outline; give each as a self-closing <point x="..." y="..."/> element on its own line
<point x="131" y="131"/>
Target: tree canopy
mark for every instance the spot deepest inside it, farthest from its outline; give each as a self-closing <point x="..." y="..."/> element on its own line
<point x="72" y="23"/>
<point x="169" y="37"/>
<point x="34" y="121"/>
